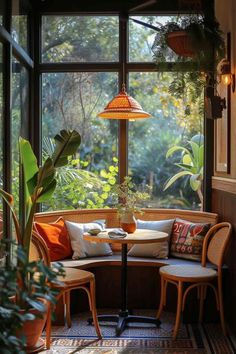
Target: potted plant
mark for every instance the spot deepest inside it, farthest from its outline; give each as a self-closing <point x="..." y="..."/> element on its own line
<point x="195" y="45"/>
<point x="191" y="164"/>
<point x="23" y="302"/>
<point x="191" y="37"/>
<point x="129" y="202"/>
<point x="39" y="185"/>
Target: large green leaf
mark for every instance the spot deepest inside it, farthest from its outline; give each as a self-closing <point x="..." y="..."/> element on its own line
<point x="195" y="150"/>
<point x="67" y="143"/>
<point x="187" y="160"/>
<point x="195" y="183"/>
<point x="175" y="177"/>
<point x="177" y="148"/>
<point x="46" y="174"/>
<point x="47" y="192"/>
<point x="201" y="156"/>
<point x="29" y="164"/>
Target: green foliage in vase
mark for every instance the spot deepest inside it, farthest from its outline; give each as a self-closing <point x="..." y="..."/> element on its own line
<point x="129" y="196"/>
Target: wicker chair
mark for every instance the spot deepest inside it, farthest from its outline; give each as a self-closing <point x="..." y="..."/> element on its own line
<point x="74" y="279"/>
<point x="199" y="276"/>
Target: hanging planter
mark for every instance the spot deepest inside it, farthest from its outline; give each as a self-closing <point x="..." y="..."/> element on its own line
<point x="180" y="43"/>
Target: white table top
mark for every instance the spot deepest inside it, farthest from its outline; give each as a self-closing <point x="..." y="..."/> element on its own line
<point x="138" y="237"/>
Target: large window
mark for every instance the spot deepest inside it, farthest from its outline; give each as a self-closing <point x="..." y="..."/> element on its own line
<point x="15" y="65"/>
<point x="72" y="99"/>
<point x="80" y="39"/>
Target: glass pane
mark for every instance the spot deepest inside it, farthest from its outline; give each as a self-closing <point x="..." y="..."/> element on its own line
<point x="2" y="11"/>
<point x="72" y="101"/>
<point x="20" y="94"/>
<point x="142" y="38"/>
<point x="80" y="38"/>
<point x="19" y="24"/>
<point x="173" y="123"/>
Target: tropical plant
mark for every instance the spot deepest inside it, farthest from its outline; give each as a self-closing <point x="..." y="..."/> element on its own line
<point x="39" y="185"/>
<point x="130" y="198"/>
<point x="39" y="182"/>
<point x="191" y="164"/>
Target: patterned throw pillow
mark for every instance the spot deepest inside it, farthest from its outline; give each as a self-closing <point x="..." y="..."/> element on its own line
<point x="187" y="239"/>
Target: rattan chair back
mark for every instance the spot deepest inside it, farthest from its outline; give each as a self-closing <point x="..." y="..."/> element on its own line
<point x="216" y="243"/>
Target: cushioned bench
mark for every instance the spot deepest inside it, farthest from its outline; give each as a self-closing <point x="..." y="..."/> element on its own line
<point x="141" y="269"/>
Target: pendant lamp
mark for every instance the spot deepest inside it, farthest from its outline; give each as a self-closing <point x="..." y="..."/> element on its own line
<point x="123" y="106"/>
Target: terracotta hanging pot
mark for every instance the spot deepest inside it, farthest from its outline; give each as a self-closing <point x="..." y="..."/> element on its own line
<point x="180" y="43"/>
<point x="128" y="222"/>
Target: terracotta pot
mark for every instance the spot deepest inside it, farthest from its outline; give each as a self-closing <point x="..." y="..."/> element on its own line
<point x="32" y="330"/>
<point x="180" y="43"/>
<point x="128" y="222"/>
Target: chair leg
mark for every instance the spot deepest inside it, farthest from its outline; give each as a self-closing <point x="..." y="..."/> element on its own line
<point x="221" y="306"/>
<point x="179" y="309"/>
<point x="162" y="298"/>
<point x="48" y="327"/>
<point x="93" y="307"/>
<point x="202" y="296"/>
<point x="67" y="303"/>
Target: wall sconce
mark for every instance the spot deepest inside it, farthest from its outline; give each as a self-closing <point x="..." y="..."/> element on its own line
<point x="224" y="72"/>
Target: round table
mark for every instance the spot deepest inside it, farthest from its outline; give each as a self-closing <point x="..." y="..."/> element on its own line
<point x="140" y="236"/>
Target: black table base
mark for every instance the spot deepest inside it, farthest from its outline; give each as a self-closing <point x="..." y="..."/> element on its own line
<point x="123" y="318"/>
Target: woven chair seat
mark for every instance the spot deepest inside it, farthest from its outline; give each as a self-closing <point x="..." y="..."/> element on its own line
<point x="75" y="277"/>
<point x="200" y="277"/>
<point x="192" y="272"/>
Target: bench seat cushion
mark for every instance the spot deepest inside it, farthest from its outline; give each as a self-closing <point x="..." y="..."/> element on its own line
<point x="115" y="260"/>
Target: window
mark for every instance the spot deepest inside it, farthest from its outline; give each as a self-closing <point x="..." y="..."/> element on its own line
<point x="71" y="99"/>
<point x="19" y="24"/>
<point x="80" y="39"/>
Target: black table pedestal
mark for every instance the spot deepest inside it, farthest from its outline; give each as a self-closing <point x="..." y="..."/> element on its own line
<point x="125" y="316"/>
<point x="122" y="320"/>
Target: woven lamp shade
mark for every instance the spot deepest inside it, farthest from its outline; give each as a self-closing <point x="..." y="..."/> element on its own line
<point x="123" y="106"/>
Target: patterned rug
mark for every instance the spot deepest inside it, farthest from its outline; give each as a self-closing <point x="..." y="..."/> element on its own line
<point x="140" y="338"/>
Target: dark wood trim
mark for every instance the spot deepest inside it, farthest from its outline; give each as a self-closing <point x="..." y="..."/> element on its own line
<point x="108" y="66"/>
<point x="228" y="103"/>
<point x="224" y="184"/>
<point x="123" y="124"/>
<point x="72" y="67"/>
<point x="7" y="160"/>
<point x="17" y="50"/>
<point x="107" y="6"/>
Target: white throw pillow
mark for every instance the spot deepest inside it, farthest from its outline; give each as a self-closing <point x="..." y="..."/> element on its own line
<point x="83" y="248"/>
<point x="157" y="249"/>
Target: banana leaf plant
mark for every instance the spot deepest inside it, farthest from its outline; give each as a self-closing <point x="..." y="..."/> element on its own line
<point x="39" y="181"/>
<point x="191" y="164"/>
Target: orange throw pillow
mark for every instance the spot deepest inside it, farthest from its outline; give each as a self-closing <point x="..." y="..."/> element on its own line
<point x="57" y="239"/>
